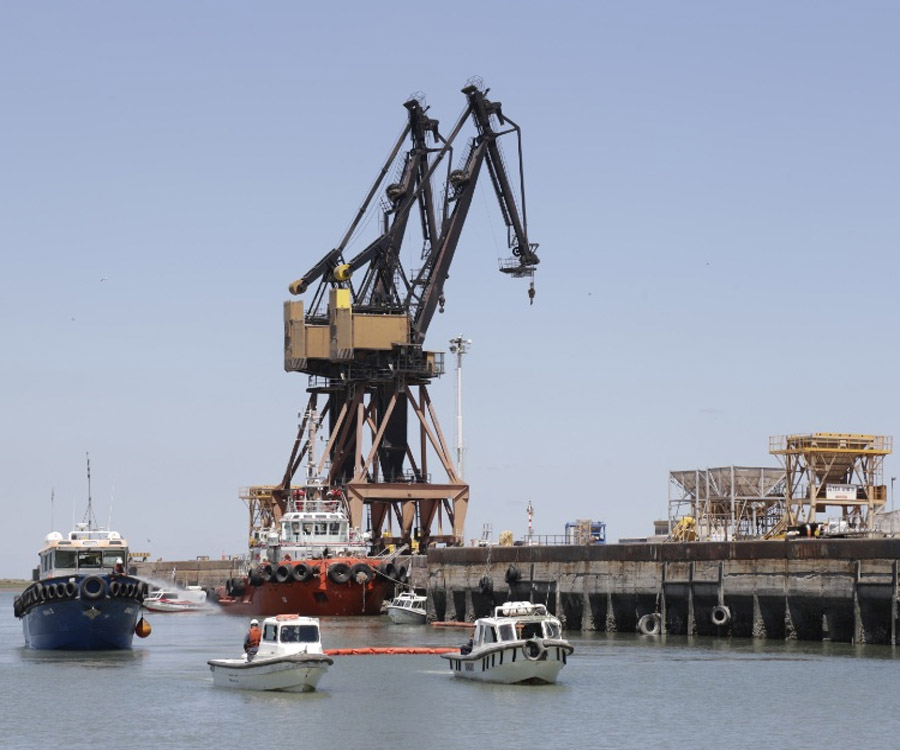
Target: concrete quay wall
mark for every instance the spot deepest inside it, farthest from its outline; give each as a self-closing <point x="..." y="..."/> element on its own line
<point x="205" y="573"/>
<point x="805" y="589"/>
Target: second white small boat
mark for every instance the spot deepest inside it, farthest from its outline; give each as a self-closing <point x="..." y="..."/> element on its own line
<point x="290" y="658"/>
<point x="191" y="599"/>
<point x="407" y="608"/>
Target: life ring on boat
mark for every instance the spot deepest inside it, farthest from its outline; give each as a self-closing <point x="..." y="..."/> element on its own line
<point x="513" y="576"/>
<point x="339" y="572"/>
<point x="287" y="558"/>
<point x="650" y="624"/>
<point x="361" y="573"/>
<point x="388" y="570"/>
<point x="93" y="588"/>
<point x="301" y="572"/>
<point x="720" y="615"/>
<point x="282" y="574"/>
<point x="534" y="649"/>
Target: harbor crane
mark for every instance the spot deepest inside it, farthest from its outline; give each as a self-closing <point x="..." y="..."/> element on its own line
<point x="360" y="337"/>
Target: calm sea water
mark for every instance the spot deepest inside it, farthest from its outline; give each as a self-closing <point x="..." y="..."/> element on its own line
<point x="622" y="691"/>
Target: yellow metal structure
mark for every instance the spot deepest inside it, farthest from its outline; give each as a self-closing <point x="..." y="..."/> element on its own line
<point x="825" y="470"/>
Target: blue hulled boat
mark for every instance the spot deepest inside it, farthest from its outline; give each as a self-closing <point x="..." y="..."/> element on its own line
<point x="83" y="599"/>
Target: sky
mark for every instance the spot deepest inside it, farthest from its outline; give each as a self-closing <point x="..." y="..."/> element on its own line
<point x="714" y="188"/>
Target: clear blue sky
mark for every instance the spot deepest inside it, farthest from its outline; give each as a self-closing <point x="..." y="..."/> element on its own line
<point x="714" y="187"/>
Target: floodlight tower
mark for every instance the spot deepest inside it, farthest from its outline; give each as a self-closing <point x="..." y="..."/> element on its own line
<point x="459" y="346"/>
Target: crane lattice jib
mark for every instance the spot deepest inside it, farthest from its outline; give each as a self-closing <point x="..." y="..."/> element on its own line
<point x="385" y="287"/>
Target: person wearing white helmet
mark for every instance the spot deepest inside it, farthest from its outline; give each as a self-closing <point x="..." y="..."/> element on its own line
<point x="251" y="640"/>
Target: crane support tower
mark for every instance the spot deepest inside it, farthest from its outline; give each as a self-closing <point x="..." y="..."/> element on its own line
<point x="360" y="337"/>
<point x="833" y="470"/>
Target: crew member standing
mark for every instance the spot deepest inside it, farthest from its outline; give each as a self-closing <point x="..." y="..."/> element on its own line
<point x="251" y="640"/>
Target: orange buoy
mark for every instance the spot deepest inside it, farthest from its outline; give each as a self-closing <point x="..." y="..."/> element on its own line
<point x="142" y="629"/>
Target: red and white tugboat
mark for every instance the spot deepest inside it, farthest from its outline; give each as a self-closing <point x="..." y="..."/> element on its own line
<point x="309" y="561"/>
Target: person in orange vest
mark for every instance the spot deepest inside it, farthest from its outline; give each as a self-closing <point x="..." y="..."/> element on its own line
<point x="251" y="640"/>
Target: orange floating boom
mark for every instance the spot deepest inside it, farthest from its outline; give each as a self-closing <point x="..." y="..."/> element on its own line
<point x="388" y="650"/>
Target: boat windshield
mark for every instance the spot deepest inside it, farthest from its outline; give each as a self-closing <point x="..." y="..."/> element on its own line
<point x="299" y="634"/>
<point x="507" y="632"/>
<point x="532" y="630"/>
<point x="551" y="629"/>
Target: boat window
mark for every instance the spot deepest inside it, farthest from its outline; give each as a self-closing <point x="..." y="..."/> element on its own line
<point x="295" y="527"/>
<point x="110" y="556"/>
<point x="270" y="632"/>
<point x="335" y="528"/>
<point x="299" y="634"/>
<point x="507" y="632"/>
<point x="532" y="630"/>
<point x="552" y="629"/>
<point x="65" y="558"/>
<point x="89" y="558"/>
<point x="321" y="528"/>
<point x="490" y="636"/>
<point x="307" y="528"/>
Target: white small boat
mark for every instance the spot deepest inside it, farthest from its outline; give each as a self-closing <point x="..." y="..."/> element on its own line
<point x="190" y="599"/>
<point x="407" y="608"/>
<point x="290" y="658"/>
<point x="520" y="644"/>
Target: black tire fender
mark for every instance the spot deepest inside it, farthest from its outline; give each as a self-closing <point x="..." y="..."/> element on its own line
<point x="93" y="588"/>
<point x="339" y="572"/>
<point x="361" y="573"/>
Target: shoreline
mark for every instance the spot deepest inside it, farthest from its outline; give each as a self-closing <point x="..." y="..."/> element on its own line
<point x="14" y="584"/>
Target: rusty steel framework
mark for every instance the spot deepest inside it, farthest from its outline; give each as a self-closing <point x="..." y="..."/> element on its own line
<point x="360" y="339"/>
<point x="826" y="470"/>
<point x="726" y="503"/>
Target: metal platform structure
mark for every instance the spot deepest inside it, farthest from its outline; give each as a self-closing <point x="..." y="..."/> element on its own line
<point x="832" y="470"/>
<point x="725" y="503"/>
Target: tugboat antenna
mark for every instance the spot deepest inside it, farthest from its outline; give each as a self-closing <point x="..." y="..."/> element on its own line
<point x="89" y="513"/>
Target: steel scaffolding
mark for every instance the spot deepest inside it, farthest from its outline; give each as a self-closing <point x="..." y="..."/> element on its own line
<point x="826" y="470"/>
<point x="725" y="503"/>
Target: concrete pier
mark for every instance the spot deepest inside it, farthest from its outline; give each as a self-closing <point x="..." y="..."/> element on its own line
<point x="807" y="589"/>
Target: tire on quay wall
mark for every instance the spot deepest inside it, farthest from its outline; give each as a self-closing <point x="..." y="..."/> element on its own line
<point x="720" y="615"/>
<point x="339" y="572"/>
<point x="513" y="576"/>
<point x="650" y="624"/>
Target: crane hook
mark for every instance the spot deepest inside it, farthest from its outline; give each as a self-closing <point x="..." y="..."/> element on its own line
<point x="531" y="293"/>
<point x="441" y="301"/>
